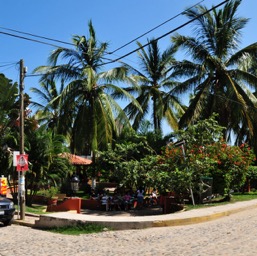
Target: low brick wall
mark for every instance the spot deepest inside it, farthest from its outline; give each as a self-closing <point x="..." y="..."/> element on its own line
<point x="91" y="204"/>
<point x="69" y="204"/>
<point x="39" y="199"/>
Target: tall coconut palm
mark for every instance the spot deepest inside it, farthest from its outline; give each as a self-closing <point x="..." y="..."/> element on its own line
<point x="243" y="131"/>
<point x="48" y="105"/>
<point x="87" y="97"/>
<point x="154" y="91"/>
<point x="214" y="71"/>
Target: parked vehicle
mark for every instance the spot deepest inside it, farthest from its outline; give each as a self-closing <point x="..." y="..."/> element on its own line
<point x="7" y="211"/>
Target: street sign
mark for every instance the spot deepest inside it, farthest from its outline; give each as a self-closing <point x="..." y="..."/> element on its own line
<point x="15" y="153"/>
<point x="22" y="162"/>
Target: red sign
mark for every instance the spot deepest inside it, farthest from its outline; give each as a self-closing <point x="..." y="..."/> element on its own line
<point x="22" y="162"/>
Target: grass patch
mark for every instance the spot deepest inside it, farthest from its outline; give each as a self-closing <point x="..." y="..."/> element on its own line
<point x="78" y="229"/>
<point x="235" y="197"/>
<point x="244" y="197"/>
<point x="36" y="209"/>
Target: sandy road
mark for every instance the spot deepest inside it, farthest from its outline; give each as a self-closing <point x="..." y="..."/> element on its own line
<point x="233" y="235"/>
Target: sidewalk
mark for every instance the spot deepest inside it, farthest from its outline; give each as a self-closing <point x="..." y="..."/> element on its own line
<point x="123" y="221"/>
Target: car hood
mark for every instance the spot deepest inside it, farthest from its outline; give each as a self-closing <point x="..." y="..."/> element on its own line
<point x="4" y="200"/>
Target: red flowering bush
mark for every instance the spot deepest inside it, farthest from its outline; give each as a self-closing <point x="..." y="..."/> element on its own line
<point x="229" y="165"/>
<point x="205" y="155"/>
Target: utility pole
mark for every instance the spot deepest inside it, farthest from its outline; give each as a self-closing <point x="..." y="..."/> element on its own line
<point x="22" y="175"/>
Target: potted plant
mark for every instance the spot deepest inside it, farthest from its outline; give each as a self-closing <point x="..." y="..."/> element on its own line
<point x="50" y="195"/>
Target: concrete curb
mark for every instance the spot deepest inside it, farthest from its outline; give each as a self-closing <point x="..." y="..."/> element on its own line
<point x="195" y="220"/>
<point x="194" y="216"/>
<point x="122" y="223"/>
<point x="23" y="223"/>
<point x="29" y="221"/>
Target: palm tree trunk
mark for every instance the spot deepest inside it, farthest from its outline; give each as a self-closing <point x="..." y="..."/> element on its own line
<point x="94" y="141"/>
<point x="155" y="118"/>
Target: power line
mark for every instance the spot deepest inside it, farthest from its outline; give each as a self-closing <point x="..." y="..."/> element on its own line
<point x="172" y="18"/>
<point x="9" y="64"/>
<point x="63" y="42"/>
<point x="29" y="39"/>
<point x="42" y="37"/>
<point x="164" y="35"/>
<point x="118" y="59"/>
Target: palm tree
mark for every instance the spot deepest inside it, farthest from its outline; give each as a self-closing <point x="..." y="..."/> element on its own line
<point x="9" y="105"/>
<point x="214" y="71"/>
<point x="49" y="106"/>
<point x="242" y="132"/>
<point x="87" y="100"/>
<point x="46" y="167"/>
<point x="154" y="91"/>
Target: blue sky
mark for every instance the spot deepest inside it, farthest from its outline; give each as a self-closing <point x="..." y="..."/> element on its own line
<point x="115" y="21"/>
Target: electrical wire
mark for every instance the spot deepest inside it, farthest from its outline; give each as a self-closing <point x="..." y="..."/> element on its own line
<point x="42" y="37"/>
<point x="29" y="39"/>
<point x="9" y="64"/>
<point x="111" y="61"/>
<point x="119" y="58"/>
<point x="63" y="42"/>
<point x="172" y="18"/>
<point x="164" y="35"/>
<point x="60" y="41"/>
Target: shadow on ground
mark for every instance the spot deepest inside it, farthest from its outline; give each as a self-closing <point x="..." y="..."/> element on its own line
<point x="133" y="212"/>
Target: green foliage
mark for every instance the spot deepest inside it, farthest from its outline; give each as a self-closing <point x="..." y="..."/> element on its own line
<point x="50" y="192"/>
<point x="204" y="155"/>
<point x="156" y="140"/>
<point x="46" y="167"/>
<point x="49" y="107"/>
<point x="252" y="172"/>
<point x="9" y="104"/>
<point x="203" y="132"/>
<point x="36" y="209"/>
<point x="217" y="72"/>
<point x="88" y="100"/>
<point x="125" y="163"/>
<point x="232" y="164"/>
<point x="154" y="90"/>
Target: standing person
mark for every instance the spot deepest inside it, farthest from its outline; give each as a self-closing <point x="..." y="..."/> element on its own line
<point x="140" y="197"/>
<point x="127" y="201"/>
<point x="105" y="201"/>
<point x="153" y="197"/>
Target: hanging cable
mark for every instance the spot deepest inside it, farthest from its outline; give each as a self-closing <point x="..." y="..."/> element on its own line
<point x="9" y="64"/>
<point x="164" y="35"/>
<point x="154" y="28"/>
<point x="42" y="37"/>
<point x="29" y="39"/>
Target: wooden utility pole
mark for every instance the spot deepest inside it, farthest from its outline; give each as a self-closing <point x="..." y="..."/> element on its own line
<point x="22" y="175"/>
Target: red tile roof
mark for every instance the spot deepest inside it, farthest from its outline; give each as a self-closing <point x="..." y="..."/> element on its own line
<point x="76" y="160"/>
